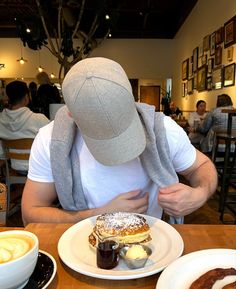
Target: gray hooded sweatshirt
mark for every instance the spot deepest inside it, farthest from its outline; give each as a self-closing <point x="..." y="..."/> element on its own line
<point x="20" y="123"/>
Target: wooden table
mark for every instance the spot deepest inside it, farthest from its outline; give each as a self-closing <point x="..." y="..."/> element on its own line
<point x="196" y="237"/>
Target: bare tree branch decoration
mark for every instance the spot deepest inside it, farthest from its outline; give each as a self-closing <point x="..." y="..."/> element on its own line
<point x="65" y="39"/>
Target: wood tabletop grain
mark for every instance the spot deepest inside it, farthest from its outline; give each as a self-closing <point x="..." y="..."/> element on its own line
<point x="195" y="237"/>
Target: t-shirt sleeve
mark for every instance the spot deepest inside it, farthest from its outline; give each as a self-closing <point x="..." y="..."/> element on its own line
<point x="182" y="152"/>
<point x="39" y="161"/>
<point x="191" y="119"/>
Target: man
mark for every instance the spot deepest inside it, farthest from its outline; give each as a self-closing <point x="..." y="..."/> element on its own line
<point x="47" y="93"/>
<point x="195" y="120"/>
<point x="173" y="111"/>
<point x="18" y="121"/>
<point x="105" y="153"/>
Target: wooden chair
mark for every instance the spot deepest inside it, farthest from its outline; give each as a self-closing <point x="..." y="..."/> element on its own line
<point x="226" y="168"/>
<point x="3" y="204"/>
<point x="17" y="149"/>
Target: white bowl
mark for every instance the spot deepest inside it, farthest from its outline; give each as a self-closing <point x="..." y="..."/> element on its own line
<point x="15" y="273"/>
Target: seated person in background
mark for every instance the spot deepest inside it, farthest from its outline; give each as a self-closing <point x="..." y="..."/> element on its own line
<point x="173" y="111"/>
<point x="215" y="121"/>
<point x="105" y="153"/>
<point x="47" y="93"/>
<point x="195" y="119"/>
<point x="18" y="121"/>
<point x="34" y="104"/>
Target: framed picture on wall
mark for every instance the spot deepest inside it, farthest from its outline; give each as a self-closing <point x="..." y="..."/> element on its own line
<point x="206" y="43"/>
<point x="190" y="67"/>
<point x="229" y="75"/>
<point x="183" y="89"/>
<point x="210" y="64"/>
<point x="219" y="35"/>
<point x="212" y="43"/>
<point x="230" y="53"/>
<point x="209" y="83"/>
<point x="185" y="69"/>
<point x="218" y="55"/>
<point x="190" y="86"/>
<point x="201" y="78"/>
<point x="195" y="59"/>
<point x="230" y="32"/>
<point x="195" y="81"/>
<point x="217" y="78"/>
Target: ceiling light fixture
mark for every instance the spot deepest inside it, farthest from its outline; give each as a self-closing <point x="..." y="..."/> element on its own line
<point x="21" y="59"/>
<point x="107" y="17"/>
<point x="52" y="75"/>
<point x="40" y="68"/>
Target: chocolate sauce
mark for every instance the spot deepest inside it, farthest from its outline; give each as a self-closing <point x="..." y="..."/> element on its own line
<point x="107" y="254"/>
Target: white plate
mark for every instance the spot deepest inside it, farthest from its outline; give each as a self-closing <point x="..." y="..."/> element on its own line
<point x="184" y="271"/>
<point x="75" y="252"/>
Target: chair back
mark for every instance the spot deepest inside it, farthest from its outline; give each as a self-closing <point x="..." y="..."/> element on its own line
<point x="3" y="204"/>
<point x="17" y="144"/>
<point x="17" y="149"/>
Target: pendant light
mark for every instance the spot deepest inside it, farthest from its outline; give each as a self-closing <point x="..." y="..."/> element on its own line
<point x="22" y="60"/>
<point x="40" y="68"/>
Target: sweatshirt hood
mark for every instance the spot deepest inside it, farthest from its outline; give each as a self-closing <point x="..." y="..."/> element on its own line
<point x="14" y="120"/>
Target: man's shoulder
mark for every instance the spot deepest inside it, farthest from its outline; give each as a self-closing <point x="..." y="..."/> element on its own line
<point x="39" y="119"/>
<point x="46" y="131"/>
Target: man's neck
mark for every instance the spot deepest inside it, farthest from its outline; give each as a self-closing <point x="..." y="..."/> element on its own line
<point x="16" y="106"/>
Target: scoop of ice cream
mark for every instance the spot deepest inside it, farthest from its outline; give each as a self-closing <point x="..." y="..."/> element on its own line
<point x="136" y="252"/>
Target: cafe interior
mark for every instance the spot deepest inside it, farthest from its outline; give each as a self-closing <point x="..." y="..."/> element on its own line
<point x="171" y="50"/>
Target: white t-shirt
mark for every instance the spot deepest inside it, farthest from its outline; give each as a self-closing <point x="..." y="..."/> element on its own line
<point x="103" y="183"/>
<point x="194" y="116"/>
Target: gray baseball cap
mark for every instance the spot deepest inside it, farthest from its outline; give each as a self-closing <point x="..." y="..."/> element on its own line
<point x="99" y="96"/>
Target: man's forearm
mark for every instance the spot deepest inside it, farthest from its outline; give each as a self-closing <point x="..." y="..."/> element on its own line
<point x="56" y="215"/>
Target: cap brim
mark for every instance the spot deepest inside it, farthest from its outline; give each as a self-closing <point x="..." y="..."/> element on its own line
<point x="121" y="149"/>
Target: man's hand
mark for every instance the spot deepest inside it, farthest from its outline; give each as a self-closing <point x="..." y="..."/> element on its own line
<point x="180" y="200"/>
<point x="127" y="202"/>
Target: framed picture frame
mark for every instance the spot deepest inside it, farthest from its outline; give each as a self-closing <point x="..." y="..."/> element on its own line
<point x="209" y="83"/>
<point x="218" y="55"/>
<point x="230" y="53"/>
<point x="219" y="36"/>
<point x="190" y="86"/>
<point x="217" y="78"/>
<point x="212" y="43"/>
<point x="185" y="64"/>
<point x="195" y="59"/>
<point x="201" y="78"/>
<point x="200" y="49"/>
<point x="229" y="75"/>
<point x="206" y="43"/>
<point x="230" y="32"/>
<point x="183" y="89"/>
<point x="195" y="81"/>
<point x="190" y="67"/>
<point x="210" y="65"/>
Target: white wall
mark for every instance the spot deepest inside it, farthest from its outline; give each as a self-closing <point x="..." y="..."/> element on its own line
<point x="206" y="17"/>
<point x="140" y="58"/>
